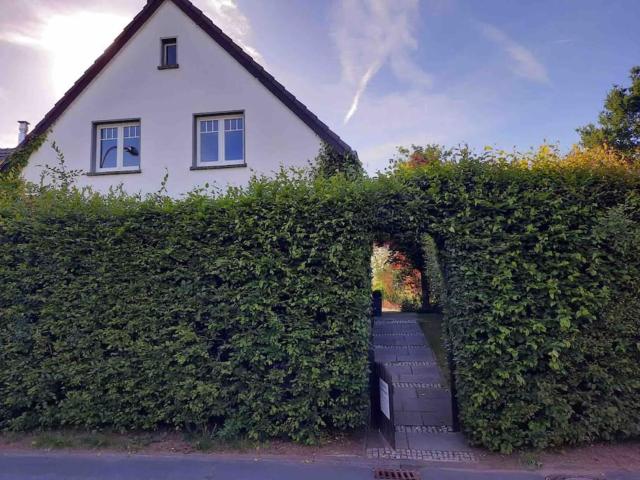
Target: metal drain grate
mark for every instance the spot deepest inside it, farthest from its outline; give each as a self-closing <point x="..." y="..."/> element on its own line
<point x="396" y="474"/>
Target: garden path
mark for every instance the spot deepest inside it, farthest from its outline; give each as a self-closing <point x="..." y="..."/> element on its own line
<point x="422" y="407"/>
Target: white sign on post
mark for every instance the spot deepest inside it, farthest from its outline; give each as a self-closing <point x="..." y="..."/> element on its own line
<point x="384" y="399"/>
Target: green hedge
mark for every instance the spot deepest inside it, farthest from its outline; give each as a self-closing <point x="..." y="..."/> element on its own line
<point x="542" y="267"/>
<point x="247" y="313"/>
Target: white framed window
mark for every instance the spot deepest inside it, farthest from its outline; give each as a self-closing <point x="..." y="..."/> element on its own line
<point x="169" y="53"/>
<point x="117" y="147"/>
<point x="220" y="140"/>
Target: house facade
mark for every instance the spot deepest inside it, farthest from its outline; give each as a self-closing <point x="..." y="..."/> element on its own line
<point x="174" y="96"/>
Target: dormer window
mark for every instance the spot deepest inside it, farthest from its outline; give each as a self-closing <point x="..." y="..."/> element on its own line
<point x="169" y="53"/>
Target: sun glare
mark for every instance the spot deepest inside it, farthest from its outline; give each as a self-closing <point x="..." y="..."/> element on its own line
<point x="75" y="41"/>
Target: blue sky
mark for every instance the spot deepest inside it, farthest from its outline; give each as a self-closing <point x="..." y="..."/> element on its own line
<point x="381" y="73"/>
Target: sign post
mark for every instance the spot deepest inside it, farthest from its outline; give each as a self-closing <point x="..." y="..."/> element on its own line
<point x="383" y="406"/>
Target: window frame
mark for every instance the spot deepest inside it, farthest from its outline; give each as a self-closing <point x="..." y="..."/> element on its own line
<point x="164" y="43"/>
<point x="96" y="144"/>
<point x="221" y="162"/>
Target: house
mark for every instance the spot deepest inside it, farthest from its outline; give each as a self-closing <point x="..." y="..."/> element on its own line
<point x="173" y="95"/>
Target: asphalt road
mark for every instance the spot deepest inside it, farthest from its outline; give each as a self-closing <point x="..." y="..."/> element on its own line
<point x="63" y="466"/>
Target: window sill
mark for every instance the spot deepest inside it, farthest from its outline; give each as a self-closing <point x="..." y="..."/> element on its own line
<point x="168" y="67"/>
<point x="216" y="167"/>
<point x="115" y="172"/>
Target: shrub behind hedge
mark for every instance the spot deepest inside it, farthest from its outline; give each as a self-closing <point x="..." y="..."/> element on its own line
<point x="247" y="313"/>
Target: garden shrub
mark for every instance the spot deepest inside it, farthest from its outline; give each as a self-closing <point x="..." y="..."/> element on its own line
<point x="396" y="278"/>
<point x="246" y="313"/>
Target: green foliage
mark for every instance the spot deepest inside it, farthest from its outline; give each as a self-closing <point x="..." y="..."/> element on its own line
<point x="395" y="279"/>
<point x="541" y="271"/>
<point x="420" y="156"/>
<point x="328" y="163"/>
<point x="619" y="122"/>
<point x="247" y="313"/>
<point x="432" y="273"/>
<point x="11" y="183"/>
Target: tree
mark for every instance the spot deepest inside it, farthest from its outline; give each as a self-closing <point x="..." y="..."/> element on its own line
<point x="329" y="163"/>
<point x="418" y="156"/>
<point x="619" y="123"/>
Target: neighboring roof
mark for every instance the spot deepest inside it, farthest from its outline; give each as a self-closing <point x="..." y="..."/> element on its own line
<point x="195" y="14"/>
<point x="4" y="154"/>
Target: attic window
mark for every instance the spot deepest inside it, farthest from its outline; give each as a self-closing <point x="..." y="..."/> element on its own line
<point x="169" y="53"/>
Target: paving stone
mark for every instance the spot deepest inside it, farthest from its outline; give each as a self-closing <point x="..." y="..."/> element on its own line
<point x="396" y="330"/>
<point x="433" y="405"/>
<point x="422" y="455"/>
<point x="419" y="385"/>
<point x="416" y="363"/>
<point x="403" y="347"/>
<point x="437" y="418"/>
<point x="404" y="335"/>
<point x="424" y="428"/>
<point x="433" y="394"/>
<point x="404" y="393"/>
<point x="413" y="341"/>
<point x="431" y="377"/>
<point x="408" y="418"/>
<point x="424" y="354"/>
<point x="425" y="369"/>
<point x="401" y="440"/>
<point x="397" y="372"/>
<point x="396" y="322"/>
<point x="408" y="403"/>
<point x="433" y="441"/>
<point x="420" y="405"/>
<point x="385" y="356"/>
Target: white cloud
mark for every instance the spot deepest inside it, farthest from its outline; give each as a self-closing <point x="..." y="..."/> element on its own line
<point x="525" y="64"/>
<point x="413" y="117"/>
<point x="56" y="30"/>
<point x="7" y="140"/>
<point x="372" y="33"/>
<point x="227" y="15"/>
<point x="58" y="34"/>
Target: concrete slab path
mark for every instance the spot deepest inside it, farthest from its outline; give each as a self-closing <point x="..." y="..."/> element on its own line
<point x="421" y="398"/>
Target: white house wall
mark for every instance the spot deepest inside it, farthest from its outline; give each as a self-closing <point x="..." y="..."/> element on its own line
<point x="209" y="80"/>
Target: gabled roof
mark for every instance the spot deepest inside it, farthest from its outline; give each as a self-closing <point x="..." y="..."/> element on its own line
<point x="195" y="14"/>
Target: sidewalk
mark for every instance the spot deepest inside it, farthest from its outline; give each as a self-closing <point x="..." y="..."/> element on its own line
<point x="65" y="466"/>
